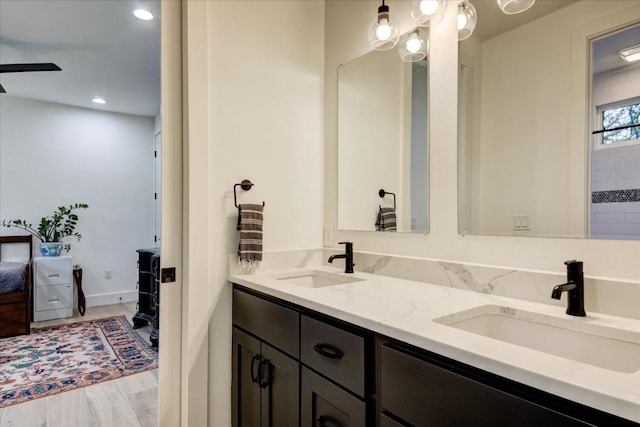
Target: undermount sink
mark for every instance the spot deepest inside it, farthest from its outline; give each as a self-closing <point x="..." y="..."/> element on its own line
<point x="574" y="339"/>
<point x="315" y="278"/>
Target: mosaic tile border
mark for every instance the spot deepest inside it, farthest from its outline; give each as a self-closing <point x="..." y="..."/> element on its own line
<point x="616" y="196"/>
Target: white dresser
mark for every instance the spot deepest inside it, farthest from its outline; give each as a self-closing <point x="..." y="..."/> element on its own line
<point x="53" y="287"/>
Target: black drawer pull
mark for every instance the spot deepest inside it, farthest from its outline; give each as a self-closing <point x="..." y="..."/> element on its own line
<point x="264" y="383"/>
<point x="254" y="378"/>
<point x="327" y="350"/>
<point x="328" y="421"/>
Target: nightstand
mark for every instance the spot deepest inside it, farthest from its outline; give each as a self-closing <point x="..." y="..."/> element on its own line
<point x="53" y="290"/>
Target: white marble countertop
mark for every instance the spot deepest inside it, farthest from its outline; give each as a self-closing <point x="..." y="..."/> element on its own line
<point x="406" y="310"/>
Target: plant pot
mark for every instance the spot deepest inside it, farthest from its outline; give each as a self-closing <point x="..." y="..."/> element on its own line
<point x="51" y="248"/>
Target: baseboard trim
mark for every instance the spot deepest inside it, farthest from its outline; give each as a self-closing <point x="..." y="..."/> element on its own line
<point x="112" y="298"/>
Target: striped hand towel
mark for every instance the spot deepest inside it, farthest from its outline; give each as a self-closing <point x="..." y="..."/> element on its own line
<point x="386" y="220"/>
<point x="250" y="246"/>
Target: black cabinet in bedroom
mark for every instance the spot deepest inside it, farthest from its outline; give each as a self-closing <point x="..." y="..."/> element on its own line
<point x="149" y="292"/>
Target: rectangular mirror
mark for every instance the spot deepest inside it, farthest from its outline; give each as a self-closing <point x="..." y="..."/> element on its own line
<point x="529" y="164"/>
<point x="383" y="143"/>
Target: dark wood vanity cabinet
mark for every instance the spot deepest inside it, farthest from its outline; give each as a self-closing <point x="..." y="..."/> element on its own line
<point x="292" y="369"/>
<point x="293" y="366"/>
<point x="420" y="388"/>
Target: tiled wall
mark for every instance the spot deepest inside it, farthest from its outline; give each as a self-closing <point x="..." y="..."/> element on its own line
<point x="615" y="197"/>
<point x="615" y="171"/>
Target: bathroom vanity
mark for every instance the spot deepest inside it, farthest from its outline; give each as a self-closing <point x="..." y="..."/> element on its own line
<point x="309" y="349"/>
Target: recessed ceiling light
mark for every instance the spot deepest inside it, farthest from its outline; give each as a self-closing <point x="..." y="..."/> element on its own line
<point x="98" y="100"/>
<point x="142" y="14"/>
<point x="630" y="54"/>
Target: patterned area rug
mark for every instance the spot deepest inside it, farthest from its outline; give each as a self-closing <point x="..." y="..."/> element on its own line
<point x="61" y="358"/>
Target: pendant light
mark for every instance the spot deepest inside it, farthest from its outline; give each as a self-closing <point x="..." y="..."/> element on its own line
<point x="467" y="19"/>
<point x="414" y="45"/>
<point x="511" y="7"/>
<point x="382" y="34"/>
<point x="428" y="12"/>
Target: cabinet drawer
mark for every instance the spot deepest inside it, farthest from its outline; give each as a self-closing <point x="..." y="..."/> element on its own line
<point x="324" y="404"/>
<point x="53" y="272"/>
<point x="273" y="323"/>
<point x="333" y="352"/>
<point x="53" y="297"/>
<point x="423" y="393"/>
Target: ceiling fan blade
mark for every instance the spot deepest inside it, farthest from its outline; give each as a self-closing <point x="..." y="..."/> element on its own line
<point x="19" y="68"/>
<point x="2" y="89"/>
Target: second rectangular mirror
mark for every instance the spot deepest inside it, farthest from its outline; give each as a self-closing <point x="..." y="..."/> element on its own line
<point x="529" y="102"/>
<point x="383" y="143"/>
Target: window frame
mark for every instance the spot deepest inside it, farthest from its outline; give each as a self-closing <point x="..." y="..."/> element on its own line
<point x="598" y="144"/>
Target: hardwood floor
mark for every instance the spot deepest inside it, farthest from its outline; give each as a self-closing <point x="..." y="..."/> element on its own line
<point x="131" y="401"/>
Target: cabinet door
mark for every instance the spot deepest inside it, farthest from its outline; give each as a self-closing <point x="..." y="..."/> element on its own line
<point x="324" y="404"/>
<point x="245" y="393"/>
<point x="279" y="383"/>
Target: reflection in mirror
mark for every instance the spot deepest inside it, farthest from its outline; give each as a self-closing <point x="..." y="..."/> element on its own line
<point x="382" y="144"/>
<point x="615" y="149"/>
<point x="524" y="137"/>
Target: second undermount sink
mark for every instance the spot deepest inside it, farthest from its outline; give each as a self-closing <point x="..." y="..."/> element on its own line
<point x="606" y="347"/>
<point x="315" y="278"/>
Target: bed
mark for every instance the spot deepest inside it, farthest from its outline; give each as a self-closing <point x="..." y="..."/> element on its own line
<point x="15" y="285"/>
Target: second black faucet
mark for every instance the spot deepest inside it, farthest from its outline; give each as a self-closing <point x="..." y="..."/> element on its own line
<point x="574" y="289"/>
<point x="347" y="255"/>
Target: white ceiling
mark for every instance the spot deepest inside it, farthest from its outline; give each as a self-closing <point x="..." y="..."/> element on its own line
<point x="102" y="49"/>
<point x="492" y="22"/>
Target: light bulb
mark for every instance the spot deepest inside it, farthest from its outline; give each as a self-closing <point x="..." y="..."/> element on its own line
<point x="462" y="20"/>
<point x="427" y="7"/>
<point x="467" y="20"/>
<point x="383" y="32"/>
<point x="413" y="43"/>
<point x="428" y="12"/>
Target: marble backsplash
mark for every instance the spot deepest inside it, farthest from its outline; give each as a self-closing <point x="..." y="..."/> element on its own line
<point x="608" y="296"/>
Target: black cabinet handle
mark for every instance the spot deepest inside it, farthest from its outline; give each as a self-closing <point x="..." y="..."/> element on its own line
<point x="254" y="378"/>
<point x="264" y="383"/>
<point x="327" y="350"/>
<point x="328" y="421"/>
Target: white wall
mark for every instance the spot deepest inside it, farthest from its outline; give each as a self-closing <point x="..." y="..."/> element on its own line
<point x="53" y="155"/>
<point x="346" y="40"/>
<point x="255" y="111"/>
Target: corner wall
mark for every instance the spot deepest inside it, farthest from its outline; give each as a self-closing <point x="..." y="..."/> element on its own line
<point x="255" y="111"/>
<point x="53" y="155"/>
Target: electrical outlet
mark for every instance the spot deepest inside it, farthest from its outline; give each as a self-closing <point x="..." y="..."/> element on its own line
<point x="107" y="273"/>
<point x="327" y="240"/>
<point x="521" y="222"/>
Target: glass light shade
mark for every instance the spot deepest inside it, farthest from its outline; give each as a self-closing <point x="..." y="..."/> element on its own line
<point x="414" y="46"/>
<point x="382" y="34"/>
<point x="428" y="12"/>
<point x="511" y="7"/>
<point x="467" y="19"/>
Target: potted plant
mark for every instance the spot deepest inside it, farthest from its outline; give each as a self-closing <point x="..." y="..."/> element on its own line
<point x="52" y="229"/>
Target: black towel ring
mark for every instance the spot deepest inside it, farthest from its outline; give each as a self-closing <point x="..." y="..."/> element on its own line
<point x="246" y="186"/>
<point x="383" y="193"/>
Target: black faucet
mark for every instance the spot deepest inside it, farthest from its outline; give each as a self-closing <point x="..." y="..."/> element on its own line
<point x="348" y="257"/>
<point x="574" y="288"/>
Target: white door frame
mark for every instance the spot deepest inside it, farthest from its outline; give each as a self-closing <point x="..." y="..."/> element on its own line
<point x="170" y="408"/>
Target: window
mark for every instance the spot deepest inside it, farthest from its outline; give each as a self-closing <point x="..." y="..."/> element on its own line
<point x="620" y="115"/>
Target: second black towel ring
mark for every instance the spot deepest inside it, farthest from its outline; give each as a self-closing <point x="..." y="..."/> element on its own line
<point x="246" y="185"/>
<point x="383" y="193"/>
